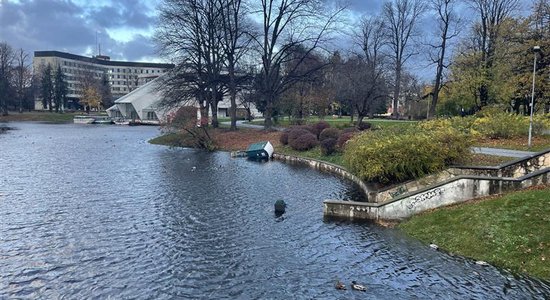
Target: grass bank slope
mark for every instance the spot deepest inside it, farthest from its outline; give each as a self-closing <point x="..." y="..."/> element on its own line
<point x="510" y="231"/>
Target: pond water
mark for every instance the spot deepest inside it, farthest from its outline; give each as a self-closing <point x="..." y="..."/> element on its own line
<point x="96" y="212"/>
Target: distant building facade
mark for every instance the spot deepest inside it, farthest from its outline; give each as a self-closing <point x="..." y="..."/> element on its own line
<point x="123" y="76"/>
<point x="143" y="105"/>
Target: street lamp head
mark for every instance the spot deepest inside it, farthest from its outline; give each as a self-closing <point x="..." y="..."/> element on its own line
<point x="536" y="48"/>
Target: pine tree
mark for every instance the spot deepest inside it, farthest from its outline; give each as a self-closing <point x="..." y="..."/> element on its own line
<point x="47" y="87"/>
<point x="60" y="90"/>
<point x="105" y="91"/>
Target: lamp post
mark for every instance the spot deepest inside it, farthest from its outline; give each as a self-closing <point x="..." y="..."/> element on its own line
<point x="536" y="49"/>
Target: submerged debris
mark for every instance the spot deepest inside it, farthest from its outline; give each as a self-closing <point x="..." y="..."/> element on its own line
<point x="358" y="287"/>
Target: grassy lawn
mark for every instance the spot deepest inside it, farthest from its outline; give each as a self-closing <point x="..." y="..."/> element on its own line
<point x="241" y="139"/>
<point x="39" y="116"/>
<point x="315" y="153"/>
<point x="510" y="231"/>
<point x="342" y="122"/>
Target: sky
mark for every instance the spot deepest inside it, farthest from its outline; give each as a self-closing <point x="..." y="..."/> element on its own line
<point x="123" y="28"/>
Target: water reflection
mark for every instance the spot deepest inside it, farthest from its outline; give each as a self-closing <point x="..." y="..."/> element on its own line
<point x="89" y="211"/>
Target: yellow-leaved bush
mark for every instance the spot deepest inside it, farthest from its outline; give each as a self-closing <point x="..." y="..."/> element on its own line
<point x="397" y="154"/>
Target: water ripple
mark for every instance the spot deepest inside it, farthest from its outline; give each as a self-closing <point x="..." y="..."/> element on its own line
<point x="106" y="215"/>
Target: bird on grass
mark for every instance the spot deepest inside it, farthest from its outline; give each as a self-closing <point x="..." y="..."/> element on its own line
<point x="340" y="285"/>
<point x="358" y="287"/>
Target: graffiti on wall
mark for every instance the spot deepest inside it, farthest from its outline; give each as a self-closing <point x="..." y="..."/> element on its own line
<point x="425" y="196"/>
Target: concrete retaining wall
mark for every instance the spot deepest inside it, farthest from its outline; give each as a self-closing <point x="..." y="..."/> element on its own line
<point x="451" y="186"/>
<point x="328" y="167"/>
<point x="455" y="190"/>
<point x="513" y="169"/>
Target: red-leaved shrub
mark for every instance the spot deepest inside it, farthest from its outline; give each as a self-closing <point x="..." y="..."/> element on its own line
<point x="295" y="132"/>
<point x="332" y="133"/>
<point x="328" y="146"/>
<point x="319" y="127"/>
<point x="303" y="142"/>
<point x="344" y="138"/>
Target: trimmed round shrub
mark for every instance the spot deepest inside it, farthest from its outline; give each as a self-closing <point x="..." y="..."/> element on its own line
<point x="328" y="146"/>
<point x="364" y="126"/>
<point x="320" y="126"/>
<point x="303" y="142"/>
<point x="284" y="137"/>
<point x="296" y="132"/>
<point x="344" y="138"/>
<point x="329" y="133"/>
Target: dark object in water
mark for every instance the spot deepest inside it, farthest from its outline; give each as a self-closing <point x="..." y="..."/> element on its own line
<point x="280" y="207"/>
<point x="260" y="150"/>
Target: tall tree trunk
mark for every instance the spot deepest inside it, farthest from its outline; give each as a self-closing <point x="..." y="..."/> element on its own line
<point x="233" y="98"/>
<point x="214" y="108"/>
<point x="268" y="122"/>
<point x="396" y="91"/>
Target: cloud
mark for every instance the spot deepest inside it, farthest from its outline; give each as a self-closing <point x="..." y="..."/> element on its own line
<point x="132" y="14"/>
<point x="140" y="47"/>
<point x="125" y="27"/>
<point x="72" y="26"/>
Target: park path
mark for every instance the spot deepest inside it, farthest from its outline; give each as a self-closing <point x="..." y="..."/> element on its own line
<point x="246" y="124"/>
<point x="501" y="152"/>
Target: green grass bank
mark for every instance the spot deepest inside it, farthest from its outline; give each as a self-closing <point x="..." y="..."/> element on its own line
<point x="510" y="231"/>
<point x="40" y="116"/>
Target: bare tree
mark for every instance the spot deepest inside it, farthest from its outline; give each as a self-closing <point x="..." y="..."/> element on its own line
<point x="6" y="64"/>
<point x="190" y="33"/>
<point x="235" y="41"/>
<point x="374" y="87"/>
<point x="448" y="29"/>
<point x="365" y="88"/>
<point x="401" y="20"/>
<point x="491" y="15"/>
<point x="286" y="24"/>
<point x="22" y="77"/>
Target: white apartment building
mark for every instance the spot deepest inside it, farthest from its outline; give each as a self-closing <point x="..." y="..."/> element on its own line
<point x="124" y="76"/>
